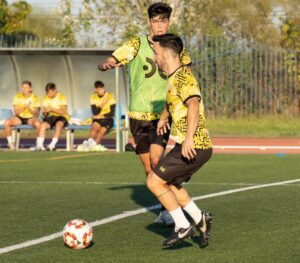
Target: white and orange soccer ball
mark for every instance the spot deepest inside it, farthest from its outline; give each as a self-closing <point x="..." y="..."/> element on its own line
<point x="77" y="234"/>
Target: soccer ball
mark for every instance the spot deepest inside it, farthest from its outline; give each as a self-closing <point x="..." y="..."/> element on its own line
<point x="77" y="234"/>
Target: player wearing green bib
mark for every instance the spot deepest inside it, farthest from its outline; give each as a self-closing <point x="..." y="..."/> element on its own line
<point x="148" y="87"/>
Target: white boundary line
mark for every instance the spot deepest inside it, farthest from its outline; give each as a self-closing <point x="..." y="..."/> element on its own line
<point x="137" y="212"/>
<point x="261" y="147"/>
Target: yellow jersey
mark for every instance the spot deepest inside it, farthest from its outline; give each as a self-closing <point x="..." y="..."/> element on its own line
<point x="22" y="101"/>
<point x="106" y="110"/>
<point x="56" y="102"/>
<point x="182" y="85"/>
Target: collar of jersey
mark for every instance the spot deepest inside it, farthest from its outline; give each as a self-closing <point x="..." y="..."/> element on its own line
<point x="169" y="76"/>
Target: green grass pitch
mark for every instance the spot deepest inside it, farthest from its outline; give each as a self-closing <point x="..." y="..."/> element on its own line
<point x="40" y="192"/>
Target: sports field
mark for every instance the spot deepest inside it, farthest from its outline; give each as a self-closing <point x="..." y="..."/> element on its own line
<point x="41" y="191"/>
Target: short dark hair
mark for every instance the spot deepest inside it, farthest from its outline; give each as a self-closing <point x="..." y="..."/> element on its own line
<point x="170" y="41"/>
<point x="27" y="82"/>
<point x="50" y="86"/>
<point x="98" y="84"/>
<point x="159" y="9"/>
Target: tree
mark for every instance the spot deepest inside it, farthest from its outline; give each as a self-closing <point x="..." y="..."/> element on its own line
<point x="290" y="33"/>
<point x="250" y="19"/>
<point x="290" y="29"/>
<point x="116" y="21"/>
<point x="12" y="16"/>
<point x="69" y="23"/>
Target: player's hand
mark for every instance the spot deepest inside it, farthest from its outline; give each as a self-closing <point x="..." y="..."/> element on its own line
<point x="162" y="127"/>
<point x="108" y="65"/>
<point x="47" y="109"/>
<point x="188" y="149"/>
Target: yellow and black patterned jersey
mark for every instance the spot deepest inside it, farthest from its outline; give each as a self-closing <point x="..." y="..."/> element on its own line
<point x="107" y="110"/>
<point x="56" y="102"/>
<point x="128" y="51"/>
<point x="22" y="101"/>
<point x="183" y="85"/>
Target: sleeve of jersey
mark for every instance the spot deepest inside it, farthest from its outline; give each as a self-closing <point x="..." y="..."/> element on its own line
<point x="189" y="90"/>
<point x="185" y="58"/>
<point x="127" y="52"/>
<point x="92" y="102"/>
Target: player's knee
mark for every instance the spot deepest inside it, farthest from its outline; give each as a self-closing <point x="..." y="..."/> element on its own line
<point x="94" y="125"/>
<point x="59" y="124"/>
<point x="7" y="123"/>
<point x="37" y="124"/>
<point x="151" y="183"/>
<point x="43" y="126"/>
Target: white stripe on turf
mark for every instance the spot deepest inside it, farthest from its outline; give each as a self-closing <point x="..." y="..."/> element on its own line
<point x="137" y="212"/>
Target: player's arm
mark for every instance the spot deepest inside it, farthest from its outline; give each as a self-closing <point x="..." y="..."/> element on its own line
<point x="109" y="63"/>
<point x="163" y="124"/>
<point x="35" y="107"/>
<point x="111" y="103"/>
<point x="111" y="112"/>
<point x="188" y="150"/>
<point x="18" y="109"/>
<point x="33" y="110"/>
<point x="121" y="56"/>
<point x="95" y="110"/>
<point x="61" y="111"/>
<point x="36" y="111"/>
<point x="44" y="110"/>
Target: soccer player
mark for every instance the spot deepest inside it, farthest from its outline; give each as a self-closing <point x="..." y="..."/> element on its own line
<point x="193" y="146"/>
<point x="26" y="107"/>
<point x="103" y="106"/>
<point x="148" y="89"/>
<point x="55" y="114"/>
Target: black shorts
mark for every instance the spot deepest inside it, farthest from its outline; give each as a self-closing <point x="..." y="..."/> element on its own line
<point x="107" y="123"/>
<point x="52" y="120"/>
<point x="24" y="121"/>
<point x="175" y="169"/>
<point x="144" y="134"/>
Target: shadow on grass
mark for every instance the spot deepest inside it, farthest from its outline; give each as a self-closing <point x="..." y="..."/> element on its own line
<point x="181" y="245"/>
<point x="144" y="198"/>
<point x="140" y="195"/>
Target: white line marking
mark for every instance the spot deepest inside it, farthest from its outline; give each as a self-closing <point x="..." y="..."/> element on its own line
<point x="259" y="147"/>
<point x="137" y="212"/>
